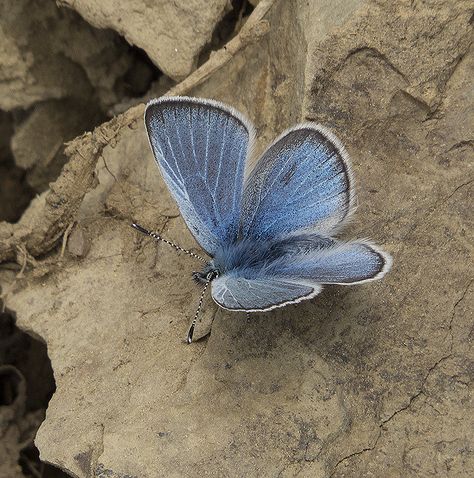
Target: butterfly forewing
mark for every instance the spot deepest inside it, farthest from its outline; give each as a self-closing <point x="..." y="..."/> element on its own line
<point x="302" y="182"/>
<point x="201" y="148"/>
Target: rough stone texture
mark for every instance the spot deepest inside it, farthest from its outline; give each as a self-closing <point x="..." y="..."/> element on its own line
<point x="11" y="177"/>
<point x="38" y="142"/>
<point x="49" y="53"/>
<point x="78" y="243"/>
<point x="16" y="426"/>
<point x="12" y="185"/>
<point x="374" y="380"/>
<point x="172" y="33"/>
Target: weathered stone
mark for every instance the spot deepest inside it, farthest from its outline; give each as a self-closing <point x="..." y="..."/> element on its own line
<point x="11" y="409"/>
<point x="6" y="132"/>
<point x="172" y="33"/>
<point x="48" y="53"/>
<point x="374" y="380"/>
<point x="26" y="382"/>
<point x="78" y="243"/>
<point x="38" y="142"/>
<point x="14" y="194"/>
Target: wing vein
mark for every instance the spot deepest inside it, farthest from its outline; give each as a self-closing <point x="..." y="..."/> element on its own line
<point x="191" y="137"/>
<point x="220" y="158"/>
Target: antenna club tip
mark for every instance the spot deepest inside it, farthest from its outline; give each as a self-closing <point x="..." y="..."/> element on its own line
<point x="139" y="228"/>
<point x="190" y="334"/>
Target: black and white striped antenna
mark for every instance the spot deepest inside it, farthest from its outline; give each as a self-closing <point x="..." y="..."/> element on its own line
<point x="157" y="237"/>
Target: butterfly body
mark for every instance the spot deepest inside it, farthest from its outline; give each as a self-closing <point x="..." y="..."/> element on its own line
<point x="251" y="258"/>
<point x="269" y="230"/>
<point x="243" y="256"/>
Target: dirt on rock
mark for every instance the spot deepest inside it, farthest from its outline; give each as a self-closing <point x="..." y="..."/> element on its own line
<point x="373" y="380"/>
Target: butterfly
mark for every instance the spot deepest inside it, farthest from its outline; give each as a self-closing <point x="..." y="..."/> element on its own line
<point x="269" y="228"/>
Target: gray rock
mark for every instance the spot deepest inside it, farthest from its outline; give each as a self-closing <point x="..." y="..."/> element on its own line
<point x="38" y="142"/>
<point x="78" y="243"/>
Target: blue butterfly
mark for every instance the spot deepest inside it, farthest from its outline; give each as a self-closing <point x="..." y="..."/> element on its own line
<point x="268" y="229"/>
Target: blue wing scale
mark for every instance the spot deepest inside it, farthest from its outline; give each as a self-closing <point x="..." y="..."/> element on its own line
<point x="342" y="263"/>
<point x="255" y="295"/>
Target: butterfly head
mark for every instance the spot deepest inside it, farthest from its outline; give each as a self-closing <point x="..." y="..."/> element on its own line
<point x="208" y="274"/>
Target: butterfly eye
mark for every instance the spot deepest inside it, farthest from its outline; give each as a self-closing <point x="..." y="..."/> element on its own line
<point x="212" y="275"/>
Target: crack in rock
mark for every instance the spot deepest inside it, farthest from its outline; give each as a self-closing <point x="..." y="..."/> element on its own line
<point x="420" y="392"/>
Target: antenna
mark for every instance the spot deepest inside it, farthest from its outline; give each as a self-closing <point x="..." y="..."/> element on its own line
<point x="157" y="237"/>
<point x="196" y="315"/>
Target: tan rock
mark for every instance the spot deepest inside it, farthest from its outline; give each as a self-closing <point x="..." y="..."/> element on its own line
<point x="48" y="53"/>
<point x="78" y="243"/>
<point x="172" y="33"/>
<point x="372" y="380"/>
<point x="38" y="142"/>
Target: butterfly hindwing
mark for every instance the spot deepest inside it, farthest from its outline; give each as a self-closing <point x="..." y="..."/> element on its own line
<point x="295" y="269"/>
<point x="302" y="182"/>
<point x="234" y="292"/>
<point x="201" y="148"/>
<point x="340" y="263"/>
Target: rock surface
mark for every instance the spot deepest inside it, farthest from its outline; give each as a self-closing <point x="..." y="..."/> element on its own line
<point x="172" y="33"/>
<point x="48" y="53"/>
<point x="38" y="142"/>
<point x="374" y="380"/>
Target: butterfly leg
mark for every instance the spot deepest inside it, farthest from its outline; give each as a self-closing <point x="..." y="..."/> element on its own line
<point x="157" y="237"/>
